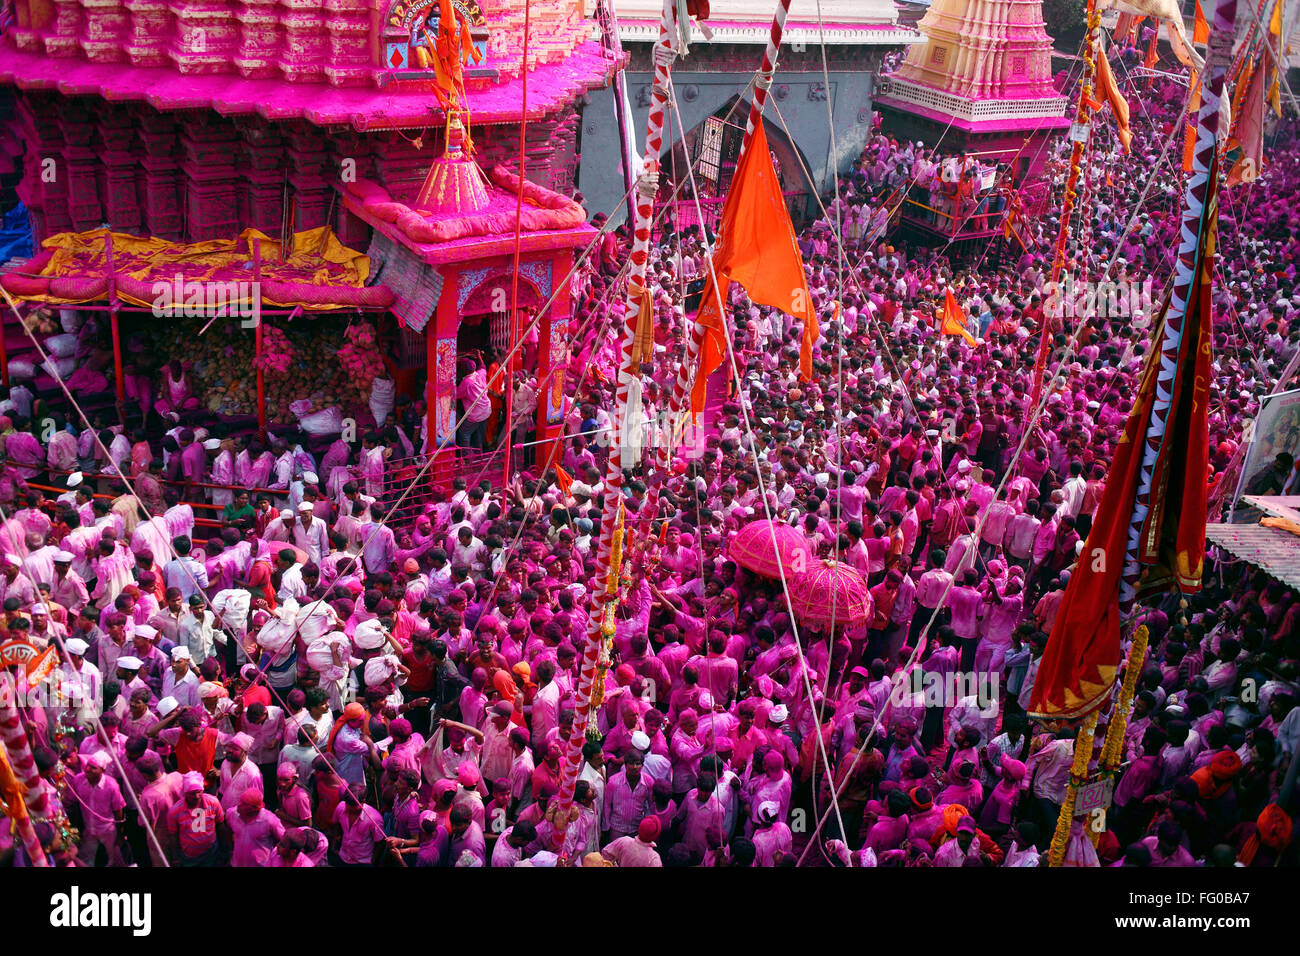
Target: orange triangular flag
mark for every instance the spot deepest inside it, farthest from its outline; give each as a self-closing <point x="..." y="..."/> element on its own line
<point x="1193" y="110"/>
<point x="563" y="479"/>
<point x="1124" y="26"/>
<point x="1201" y="28"/>
<point x="1152" y="54"/>
<point x="954" y="320"/>
<point x="757" y="249"/>
<point x="1118" y="105"/>
<point x="713" y="345"/>
<point x="1248" y="132"/>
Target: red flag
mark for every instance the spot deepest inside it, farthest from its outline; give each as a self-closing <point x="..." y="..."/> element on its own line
<point x="1079" y="666"/>
<point x="1172" y="545"/>
<point x="954" y="320"/>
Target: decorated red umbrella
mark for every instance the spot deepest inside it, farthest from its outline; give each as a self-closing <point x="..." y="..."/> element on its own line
<point x="756" y="546"/>
<point x="830" y="593"/>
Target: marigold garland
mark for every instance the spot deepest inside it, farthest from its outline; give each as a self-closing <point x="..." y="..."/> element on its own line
<point x="1078" y="775"/>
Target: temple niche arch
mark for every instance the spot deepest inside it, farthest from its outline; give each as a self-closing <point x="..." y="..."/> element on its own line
<point x="400" y="43"/>
<point x="485" y="313"/>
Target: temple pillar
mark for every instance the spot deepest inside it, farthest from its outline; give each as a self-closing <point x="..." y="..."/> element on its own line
<point x="122" y="199"/>
<point x="44" y="186"/>
<point x="162" y="175"/>
<point x="259" y="39"/>
<point x="64" y="36"/>
<point x="263" y="175"/>
<point x="206" y="36"/>
<point x="104" y="30"/>
<point x="211" y="204"/>
<point x="440" y="335"/>
<point x="553" y="344"/>
<point x="302" y="54"/>
<point x="311" y="186"/>
<point x="82" y="161"/>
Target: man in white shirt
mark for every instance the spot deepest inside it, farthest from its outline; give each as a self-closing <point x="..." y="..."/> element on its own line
<point x="469" y="550"/>
<point x="80" y="687"/>
<point x="292" y="584"/>
<point x="303" y="530"/>
<point x="1073" y="491"/>
<point x="181" y="683"/>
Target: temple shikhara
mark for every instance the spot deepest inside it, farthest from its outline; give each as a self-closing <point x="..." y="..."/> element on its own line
<point x="646" y="433"/>
<point x="981" y="83"/>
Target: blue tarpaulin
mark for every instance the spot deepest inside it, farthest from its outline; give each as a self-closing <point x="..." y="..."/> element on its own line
<point x="16" y="236"/>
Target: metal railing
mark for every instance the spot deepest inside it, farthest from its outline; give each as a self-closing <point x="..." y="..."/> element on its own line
<point x="435" y="482"/>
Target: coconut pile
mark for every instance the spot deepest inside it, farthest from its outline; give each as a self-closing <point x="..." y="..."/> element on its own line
<point x="316" y="360"/>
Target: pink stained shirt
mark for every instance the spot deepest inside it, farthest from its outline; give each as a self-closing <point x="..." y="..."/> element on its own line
<point x="100" y="804"/>
<point x="965" y="603"/>
<point x="360" y="833"/>
<point x="630" y="851"/>
<point x="1020" y="534"/>
<point x="254" y="840"/>
<point x="931" y="586"/>
<point x="997" y="520"/>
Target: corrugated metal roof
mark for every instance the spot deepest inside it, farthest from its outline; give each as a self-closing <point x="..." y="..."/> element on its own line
<point x="1272" y="550"/>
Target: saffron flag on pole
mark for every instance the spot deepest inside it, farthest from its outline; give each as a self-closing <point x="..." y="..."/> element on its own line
<point x="563" y="479"/>
<point x="1247" y="142"/>
<point x="1274" y="44"/>
<point x="756" y="249"/>
<point x="1200" y="27"/>
<point x="953" y="319"/>
<point x="1189" y="131"/>
<point x="1107" y="86"/>
<point x="713" y="344"/>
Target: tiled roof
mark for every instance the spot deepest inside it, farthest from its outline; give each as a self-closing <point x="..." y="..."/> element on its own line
<point x="1272" y="550"/>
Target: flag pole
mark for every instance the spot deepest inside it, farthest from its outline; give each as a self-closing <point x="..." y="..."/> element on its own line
<point x="1078" y="776"/>
<point x="21" y="784"/>
<point x="647" y="187"/>
<point x="1082" y="120"/>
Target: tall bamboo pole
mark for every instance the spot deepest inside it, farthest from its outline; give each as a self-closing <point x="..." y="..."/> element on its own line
<point x="664" y="54"/>
<point x="1082" y="120"/>
<point x="21" y="768"/>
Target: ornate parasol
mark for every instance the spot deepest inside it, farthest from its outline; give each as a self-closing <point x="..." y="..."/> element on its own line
<point x="756" y="545"/>
<point x="830" y="593"/>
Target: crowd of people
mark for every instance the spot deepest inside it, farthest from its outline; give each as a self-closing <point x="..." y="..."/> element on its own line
<point x="304" y="682"/>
